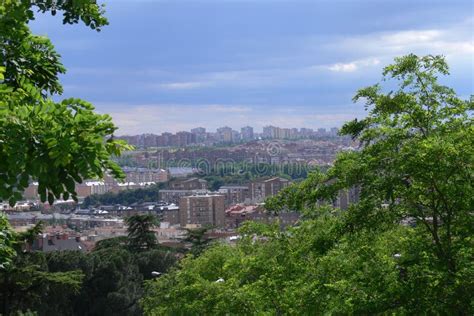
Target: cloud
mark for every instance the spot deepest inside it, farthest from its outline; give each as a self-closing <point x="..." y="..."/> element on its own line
<point x="454" y="41"/>
<point x="354" y="65"/>
<point x="158" y="118"/>
<point x="350" y="67"/>
<point x="227" y="108"/>
<point x="405" y="38"/>
<point x="183" y="85"/>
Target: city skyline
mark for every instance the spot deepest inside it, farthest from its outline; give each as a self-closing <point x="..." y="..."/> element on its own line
<point x="240" y="130"/>
<point x="172" y="65"/>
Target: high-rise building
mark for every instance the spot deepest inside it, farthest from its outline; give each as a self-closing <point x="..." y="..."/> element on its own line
<point x="321" y="132"/>
<point x="149" y="140"/>
<point x="247" y="133"/>
<point x="200" y="133"/>
<point x="202" y="210"/>
<point x="294" y="133"/>
<point x="185" y="138"/>
<point x="259" y="190"/>
<point x="198" y="130"/>
<point x="268" y="131"/>
<point x="225" y="134"/>
<point x="306" y="132"/>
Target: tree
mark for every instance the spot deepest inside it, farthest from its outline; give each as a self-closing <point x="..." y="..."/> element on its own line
<point x="26" y="283"/>
<point x="406" y="247"/>
<point x="159" y="260"/>
<point x="112" y="276"/>
<point x="54" y="143"/>
<point x="415" y="165"/>
<point x="112" y="286"/>
<point x="198" y="239"/>
<point x="127" y="197"/>
<point x="140" y="235"/>
<point x="7" y="243"/>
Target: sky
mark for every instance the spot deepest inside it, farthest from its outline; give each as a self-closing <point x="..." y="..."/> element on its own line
<point x="166" y="66"/>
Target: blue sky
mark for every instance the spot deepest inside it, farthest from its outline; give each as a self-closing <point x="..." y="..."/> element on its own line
<point x="174" y="65"/>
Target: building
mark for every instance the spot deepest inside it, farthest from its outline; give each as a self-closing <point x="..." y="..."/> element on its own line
<point x="139" y="175"/>
<point x="173" y="196"/>
<point x="181" y="172"/>
<point x="188" y="184"/>
<point x="235" y="194"/>
<point x="170" y="215"/>
<point x="260" y="190"/>
<point x="321" y="132"/>
<point x="200" y="134"/>
<point x="58" y="242"/>
<point x="198" y="130"/>
<point x="237" y="214"/>
<point x="91" y="187"/>
<point x="306" y="132"/>
<point x="31" y="192"/>
<point x="225" y="134"/>
<point x="268" y="131"/>
<point x="247" y="133"/>
<point x="149" y="140"/>
<point x="202" y="210"/>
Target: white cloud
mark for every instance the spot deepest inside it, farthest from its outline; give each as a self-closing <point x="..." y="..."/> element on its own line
<point x="454" y="41"/>
<point x="158" y="118"/>
<point x="405" y="38"/>
<point x="227" y="108"/>
<point x="354" y="65"/>
<point x="183" y="85"/>
<point x="339" y="67"/>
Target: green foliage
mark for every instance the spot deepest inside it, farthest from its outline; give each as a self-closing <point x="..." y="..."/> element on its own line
<point x="127" y="197"/>
<point x="28" y="237"/>
<point x="243" y="173"/>
<point x="113" y="285"/>
<point x="159" y="260"/>
<point x="115" y="242"/>
<point x="140" y="236"/>
<point x="7" y="243"/>
<point x="415" y="166"/>
<point x="54" y="143"/>
<point x="28" y="285"/>
<point x="198" y="240"/>
<point x="109" y="279"/>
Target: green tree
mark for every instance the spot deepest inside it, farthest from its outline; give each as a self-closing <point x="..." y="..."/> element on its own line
<point x="159" y="260"/>
<point x="27" y="283"/>
<point x="406" y="247"/>
<point x="7" y="242"/>
<point x="140" y="235"/>
<point x="112" y="286"/>
<point x="198" y="240"/>
<point x="415" y="165"/>
<point x="127" y="197"/>
<point x="54" y="143"/>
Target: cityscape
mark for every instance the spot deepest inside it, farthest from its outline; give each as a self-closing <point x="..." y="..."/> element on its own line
<point x="240" y="157"/>
<point x="215" y="186"/>
<point x="225" y="135"/>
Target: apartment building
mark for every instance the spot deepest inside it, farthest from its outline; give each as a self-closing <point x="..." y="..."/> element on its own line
<point x="260" y="190"/>
<point x="202" y="210"/>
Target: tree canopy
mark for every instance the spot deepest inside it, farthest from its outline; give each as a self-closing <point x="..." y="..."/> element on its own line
<point x="126" y="197"/>
<point x="54" y="143"/>
<point x="140" y="236"/>
<point x="406" y="247"/>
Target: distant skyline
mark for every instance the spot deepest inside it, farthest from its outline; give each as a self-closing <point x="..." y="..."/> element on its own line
<point x="238" y="129"/>
<point x="172" y="65"/>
